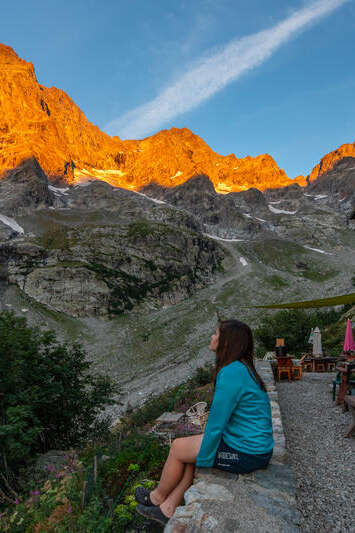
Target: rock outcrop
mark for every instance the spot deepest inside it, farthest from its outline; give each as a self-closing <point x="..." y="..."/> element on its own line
<point x="329" y="160"/>
<point x="24" y="188"/>
<point x="103" y="269"/>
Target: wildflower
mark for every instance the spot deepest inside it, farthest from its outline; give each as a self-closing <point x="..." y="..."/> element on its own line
<point x="69" y="510"/>
<point x="17" y="501"/>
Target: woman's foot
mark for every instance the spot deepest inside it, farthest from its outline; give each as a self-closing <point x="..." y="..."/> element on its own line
<point x="153" y="513"/>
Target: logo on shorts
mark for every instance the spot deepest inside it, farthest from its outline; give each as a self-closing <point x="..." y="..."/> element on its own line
<point x="228" y="455"/>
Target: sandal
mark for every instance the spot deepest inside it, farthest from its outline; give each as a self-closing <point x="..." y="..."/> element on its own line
<point x="153" y="513"/>
<point x="142" y="496"/>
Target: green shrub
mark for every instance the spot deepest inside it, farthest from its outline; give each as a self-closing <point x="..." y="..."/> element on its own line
<point x="48" y="397"/>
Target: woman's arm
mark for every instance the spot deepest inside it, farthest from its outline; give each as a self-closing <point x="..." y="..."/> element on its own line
<point x="226" y="397"/>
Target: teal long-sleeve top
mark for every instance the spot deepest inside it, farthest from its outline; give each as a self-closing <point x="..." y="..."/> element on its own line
<point x="240" y="413"/>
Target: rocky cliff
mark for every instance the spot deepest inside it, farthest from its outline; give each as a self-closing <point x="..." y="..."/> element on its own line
<point x="329" y="160"/>
<point x="45" y="123"/>
<point x="96" y="250"/>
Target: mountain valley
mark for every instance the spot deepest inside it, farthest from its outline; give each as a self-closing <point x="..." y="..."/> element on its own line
<point x="132" y="247"/>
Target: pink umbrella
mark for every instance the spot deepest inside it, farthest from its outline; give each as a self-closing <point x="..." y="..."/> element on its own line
<point x="349" y="340"/>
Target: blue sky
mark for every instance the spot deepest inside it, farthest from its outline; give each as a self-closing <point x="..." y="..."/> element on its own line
<point x="140" y="66"/>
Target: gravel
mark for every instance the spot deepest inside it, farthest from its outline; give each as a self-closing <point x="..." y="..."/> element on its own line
<point x="322" y="459"/>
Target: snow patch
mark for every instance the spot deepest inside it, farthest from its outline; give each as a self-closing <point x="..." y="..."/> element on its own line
<point x="256" y="218"/>
<point x="176" y="175"/>
<point x="58" y="190"/>
<point x="84" y="183"/>
<point x="243" y="261"/>
<point x="278" y="202"/>
<point x="274" y="210"/>
<point x="150" y="198"/>
<point x="317" y="196"/>
<point x="12" y="223"/>
<point x="317" y="250"/>
<point x="221" y="239"/>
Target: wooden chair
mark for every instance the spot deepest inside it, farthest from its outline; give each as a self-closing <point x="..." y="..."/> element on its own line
<point x="284" y="366"/>
<point x="330" y="367"/>
<point x="319" y="367"/>
<point x="307" y="366"/>
<point x="284" y="370"/>
<point x="297" y="372"/>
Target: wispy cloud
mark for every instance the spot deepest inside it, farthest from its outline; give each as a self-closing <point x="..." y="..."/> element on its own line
<point x="212" y="73"/>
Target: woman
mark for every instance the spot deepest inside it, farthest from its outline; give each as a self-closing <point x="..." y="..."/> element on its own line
<point x="238" y="435"/>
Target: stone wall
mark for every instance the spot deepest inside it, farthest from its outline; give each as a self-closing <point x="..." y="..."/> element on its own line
<point x="263" y="501"/>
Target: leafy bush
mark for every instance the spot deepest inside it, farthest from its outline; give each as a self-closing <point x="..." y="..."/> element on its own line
<point x="74" y="498"/>
<point x="294" y="326"/>
<point x="48" y="399"/>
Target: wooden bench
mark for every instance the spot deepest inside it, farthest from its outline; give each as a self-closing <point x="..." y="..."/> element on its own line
<point x="350" y="401"/>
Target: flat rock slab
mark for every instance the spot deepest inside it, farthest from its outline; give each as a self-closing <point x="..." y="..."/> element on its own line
<point x="170" y="418"/>
<point x="263" y="501"/>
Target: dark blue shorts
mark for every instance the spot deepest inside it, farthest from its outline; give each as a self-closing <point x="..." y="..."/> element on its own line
<point x="236" y="462"/>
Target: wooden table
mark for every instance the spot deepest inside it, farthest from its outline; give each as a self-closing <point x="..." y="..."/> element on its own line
<point x="325" y="360"/>
<point x="350" y="400"/>
<point x="343" y="389"/>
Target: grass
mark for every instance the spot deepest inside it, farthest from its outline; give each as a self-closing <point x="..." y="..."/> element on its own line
<point x="318" y="276"/>
<point x="277" y="282"/>
<point x="288" y="257"/>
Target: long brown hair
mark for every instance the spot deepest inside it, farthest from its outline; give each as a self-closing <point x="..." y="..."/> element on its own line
<point x="236" y="344"/>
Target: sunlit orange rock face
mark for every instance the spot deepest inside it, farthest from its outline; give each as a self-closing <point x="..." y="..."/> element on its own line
<point x="328" y="161"/>
<point x="45" y="123"/>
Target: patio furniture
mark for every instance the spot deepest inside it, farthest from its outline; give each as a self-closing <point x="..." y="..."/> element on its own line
<point x="297" y="372"/>
<point x="336" y="381"/>
<point x="350" y="402"/>
<point x="307" y="365"/>
<point x="347" y="382"/>
<point x="287" y="370"/>
<point x="319" y="366"/>
<point x="330" y="366"/>
<point x="284" y="367"/>
<point x="350" y="378"/>
<point x="197" y="414"/>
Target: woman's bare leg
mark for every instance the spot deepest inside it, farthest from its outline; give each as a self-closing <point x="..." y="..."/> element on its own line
<point x="172" y="501"/>
<point x="182" y="451"/>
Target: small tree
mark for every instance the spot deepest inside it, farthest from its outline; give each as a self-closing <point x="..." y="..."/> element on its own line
<point x="48" y="398"/>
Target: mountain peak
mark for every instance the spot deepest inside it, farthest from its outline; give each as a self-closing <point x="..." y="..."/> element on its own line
<point x="8" y="55"/>
<point x="45" y="123"/>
